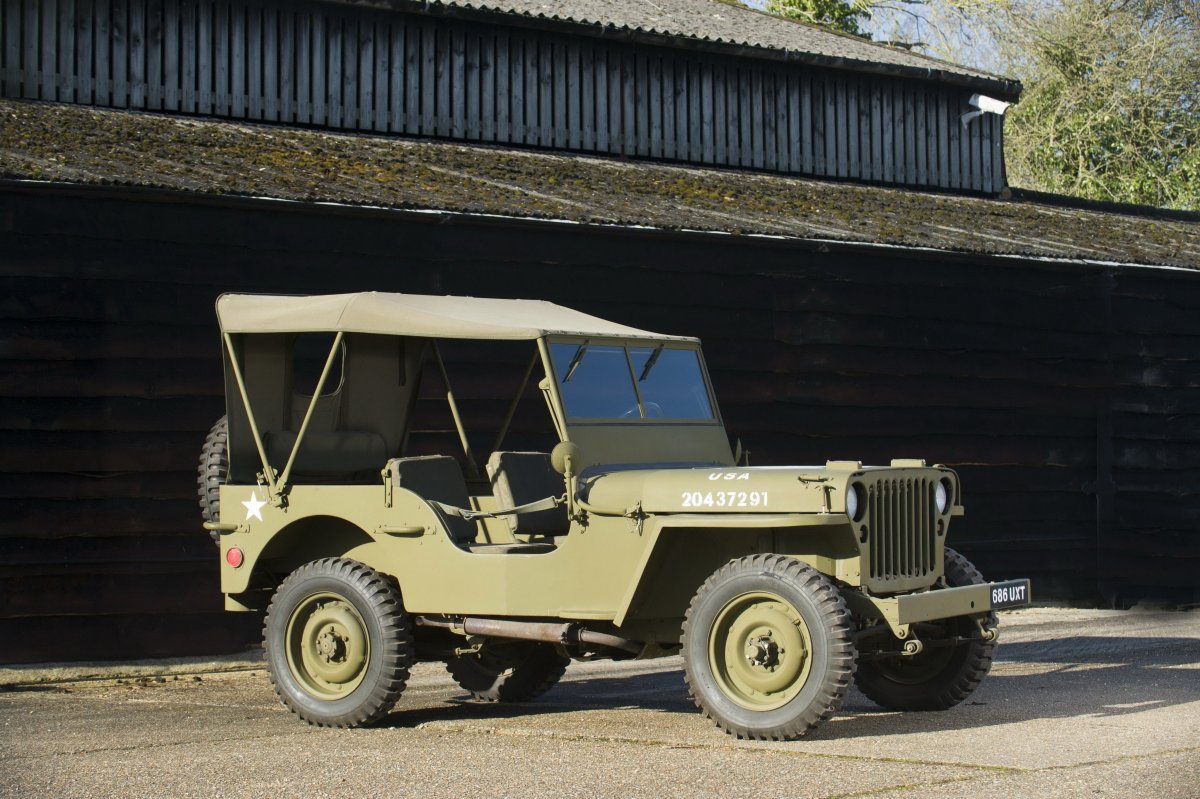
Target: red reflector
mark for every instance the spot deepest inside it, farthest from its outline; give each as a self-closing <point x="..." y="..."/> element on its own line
<point x="234" y="557"/>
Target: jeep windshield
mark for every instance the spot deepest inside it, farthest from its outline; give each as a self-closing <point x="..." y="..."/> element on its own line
<point x="631" y="381"/>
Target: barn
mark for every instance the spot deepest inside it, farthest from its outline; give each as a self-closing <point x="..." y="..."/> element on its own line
<point x="830" y="216"/>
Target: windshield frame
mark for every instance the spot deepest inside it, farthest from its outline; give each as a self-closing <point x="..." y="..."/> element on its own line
<point x="546" y="343"/>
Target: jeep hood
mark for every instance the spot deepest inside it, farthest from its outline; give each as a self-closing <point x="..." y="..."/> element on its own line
<point x="708" y="489"/>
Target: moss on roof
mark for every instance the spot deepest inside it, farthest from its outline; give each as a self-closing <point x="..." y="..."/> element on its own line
<point x="73" y="144"/>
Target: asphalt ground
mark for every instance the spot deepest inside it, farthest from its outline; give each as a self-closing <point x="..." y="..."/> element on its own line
<point x="1078" y="704"/>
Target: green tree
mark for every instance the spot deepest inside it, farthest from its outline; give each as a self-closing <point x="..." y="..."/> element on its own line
<point x="840" y="15"/>
<point x="1111" y="105"/>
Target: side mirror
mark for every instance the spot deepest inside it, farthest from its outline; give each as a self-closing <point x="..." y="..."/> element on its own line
<point x="563" y="458"/>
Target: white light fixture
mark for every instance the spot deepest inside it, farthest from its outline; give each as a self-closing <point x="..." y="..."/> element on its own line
<point x="985" y="105"/>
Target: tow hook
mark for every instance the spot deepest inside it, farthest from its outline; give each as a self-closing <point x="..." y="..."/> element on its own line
<point x="985" y="632"/>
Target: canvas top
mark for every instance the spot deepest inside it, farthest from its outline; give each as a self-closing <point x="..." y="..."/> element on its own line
<point x="425" y="316"/>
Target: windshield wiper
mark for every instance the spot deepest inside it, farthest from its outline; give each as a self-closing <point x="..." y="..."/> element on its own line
<point x="579" y="353"/>
<point x="653" y="359"/>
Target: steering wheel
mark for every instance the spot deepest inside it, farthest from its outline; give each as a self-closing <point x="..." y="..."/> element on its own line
<point x="653" y="411"/>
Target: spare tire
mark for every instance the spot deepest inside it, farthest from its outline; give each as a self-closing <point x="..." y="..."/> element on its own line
<point x="213" y="471"/>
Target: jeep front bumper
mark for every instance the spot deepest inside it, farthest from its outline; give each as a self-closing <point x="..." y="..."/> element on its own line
<point x="969" y="600"/>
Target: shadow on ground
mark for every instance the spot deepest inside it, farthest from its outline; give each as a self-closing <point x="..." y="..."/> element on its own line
<point x="1074" y="676"/>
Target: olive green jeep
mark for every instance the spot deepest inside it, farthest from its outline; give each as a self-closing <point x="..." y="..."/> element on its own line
<point x="620" y="524"/>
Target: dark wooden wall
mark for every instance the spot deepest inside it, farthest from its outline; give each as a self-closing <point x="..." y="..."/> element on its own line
<point x="360" y="69"/>
<point x="1066" y="397"/>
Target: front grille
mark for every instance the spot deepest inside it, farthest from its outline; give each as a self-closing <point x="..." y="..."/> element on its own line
<point x="902" y="545"/>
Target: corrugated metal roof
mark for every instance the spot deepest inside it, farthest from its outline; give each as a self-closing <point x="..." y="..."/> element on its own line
<point x="718" y="22"/>
<point x="73" y="144"/>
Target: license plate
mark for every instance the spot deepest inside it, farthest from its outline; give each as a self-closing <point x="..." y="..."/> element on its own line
<point x="1010" y="594"/>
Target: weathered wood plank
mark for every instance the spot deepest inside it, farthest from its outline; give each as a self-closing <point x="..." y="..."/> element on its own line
<point x="102" y="28"/>
<point x="573" y="82"/>
<point x="553" y="94"/>
<point x="413" y="64"/>
<point x="137" y="53"/>
<point x="720" y="78"/>
<point x="119" y="52"/>
<point x="600" y="89"/>
<point x="205" y="101"/>
<point x="288" y="37"/>
<point x="641" y="104"/>
<point x="531" y="71"/>
<point x="45" y="63"/>
<point x="456" y="99"/>
<point x="84" y="31"/>
<point x="707" y="109"/>
<point x="473" y="86"/>
<point x="746" y="118"/>
<point x="517" y="102"/>
<point x="171" y="588"/>
<point x="66" y="75"/>
<point x="351" y="77"/>
<point x="921" y="142"/>
<point x="270" y="68"/>
<point x="255" y="95"/>
<point x="31" y="78"/>
<point x="154" y="55"/>
<point x="695" y="113"/>
<point x="369" y="73"/>
<point x="238" y="55"/>
<point x="617" y="142"/>
<point x="588" y="104"/>
<point x="669" y="101"/>
<point x="490" y="101"/>
<point x="59" y="638"/>
<point x="503" y="93"/>
<point x="12" y="48"/>
<point x="397" y="67"/>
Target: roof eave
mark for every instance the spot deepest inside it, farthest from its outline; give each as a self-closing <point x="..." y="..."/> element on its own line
<point x="1007" y="90"/>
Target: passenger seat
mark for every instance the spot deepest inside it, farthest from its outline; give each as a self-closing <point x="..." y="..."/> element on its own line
<point x="519" y="478"/>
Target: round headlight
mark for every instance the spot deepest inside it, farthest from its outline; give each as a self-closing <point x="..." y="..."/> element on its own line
<point x="852" y="502"/>
<point x="941" y="497"/>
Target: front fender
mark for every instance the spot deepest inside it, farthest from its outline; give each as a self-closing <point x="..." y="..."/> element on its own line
<point x="686" y="548"/>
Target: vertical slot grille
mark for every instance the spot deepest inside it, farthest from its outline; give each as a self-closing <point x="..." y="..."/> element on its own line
<point x="902" y="524"/>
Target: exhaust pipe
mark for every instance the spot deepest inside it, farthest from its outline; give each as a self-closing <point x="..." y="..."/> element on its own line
<point x="546" y="632"/>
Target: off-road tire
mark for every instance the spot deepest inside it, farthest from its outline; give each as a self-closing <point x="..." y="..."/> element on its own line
<point x="516" y="672"/>
<point x="752" y="602"/>
<point x="338" y="603"/>
<point x="213" y="472"/>
<point x="938" y="678"/>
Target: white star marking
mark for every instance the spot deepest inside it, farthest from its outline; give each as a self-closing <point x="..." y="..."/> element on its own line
<point x="254" y="507"/>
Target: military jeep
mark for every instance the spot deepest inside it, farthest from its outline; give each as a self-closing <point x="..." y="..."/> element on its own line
<point x="630" y="529"/>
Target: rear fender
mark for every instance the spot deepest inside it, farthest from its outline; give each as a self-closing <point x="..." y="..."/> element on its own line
<point x="300" y="542"/>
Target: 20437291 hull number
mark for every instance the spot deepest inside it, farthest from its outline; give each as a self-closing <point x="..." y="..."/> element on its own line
<point x="724" y="499"/>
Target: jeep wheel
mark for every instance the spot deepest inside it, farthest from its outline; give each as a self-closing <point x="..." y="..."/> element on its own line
<point x="940" y="676"/>
<point x="338" y="643"/>
<point x="767" y="647"/>
<point x="213" y="471"/>
<point x="509" y="672"/>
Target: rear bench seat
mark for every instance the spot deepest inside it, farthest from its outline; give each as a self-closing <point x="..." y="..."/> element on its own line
<point x="328" y="454"/>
